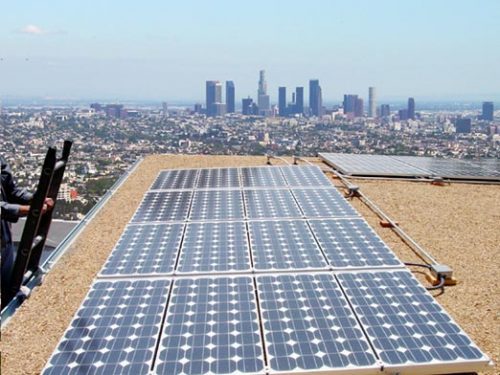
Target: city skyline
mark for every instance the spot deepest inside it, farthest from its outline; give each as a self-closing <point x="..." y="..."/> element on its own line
<point x="123" y="50"/>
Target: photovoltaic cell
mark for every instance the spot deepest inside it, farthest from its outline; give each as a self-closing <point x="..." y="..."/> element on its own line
<point x="284" y="245"/>
<point x="114" y="331"/>
<point x="145" y="249"/>
<point x="405" y="324"/>
<point x="218" y="178"/>
<point x="211" y="327"/>
<point x="163" y="206"/>
<point x="308" y="326"/>
<point x="217" y="205"/>
<point x="323" y="203"/>
<point x="175" y="179"/>
<point x="307" y="175"/>
<point x="351" y="243"/>
<point x="262" y="177"/>
<point x="215" y="247"/>
<point x="270" y="204"/>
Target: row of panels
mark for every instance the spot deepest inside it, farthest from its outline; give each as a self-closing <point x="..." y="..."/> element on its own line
<point x="361" y="322"/>
<point x="164" y="206"/>
<point x="219" y="178"/>
<point x="216" y="247"/>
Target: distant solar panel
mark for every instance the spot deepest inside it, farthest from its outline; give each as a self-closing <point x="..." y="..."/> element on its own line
<point x="218" y="178"/>
<point x="323" y="203"/>
<point x="163" y="206"/>
<point x="145" y="249"/>
<point x="270" y="204"/>
<point x="407" y="327"/>
<point x="351" y="243"/>
<point x="211" y="327"/>
<point x="262" y="177"/>
<point x="215" y="247"/>
<point x="308" y="175"/>
<point x="175" y="179"/>
<point x="114" y="331"/>
<point x="278" y="245"/>
<point x="217" y="205"/>
<point x="309" y="327"/>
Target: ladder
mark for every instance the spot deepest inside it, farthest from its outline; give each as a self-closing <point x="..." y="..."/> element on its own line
<point x="37" y="224"/>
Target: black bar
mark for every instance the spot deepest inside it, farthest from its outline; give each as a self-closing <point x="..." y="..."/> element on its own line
<point x="43" y="229"/>
<point x="31" y="227"/>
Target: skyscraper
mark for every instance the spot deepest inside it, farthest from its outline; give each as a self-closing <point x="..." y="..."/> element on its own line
<point x="359" y="108"/>
<point x="385" y="110"/>
<point x="230" y="97"/>
<point x="213" y="97"/>
<point x="262" y="97"/>
<point x="315" y="98"/>
<point x="488" y="109"/>
<point x="350" y="103"/>
<point x="411" y="108"/>
<point x="299" y="100"/>
<point x="372" y="102"/>
<point x="282" y="101"/>
<point x="463" y="125"/>
<point x="246" y="106"/>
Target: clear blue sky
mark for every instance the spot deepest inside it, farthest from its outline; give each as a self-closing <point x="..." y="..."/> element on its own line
<point x="167" y="49"/>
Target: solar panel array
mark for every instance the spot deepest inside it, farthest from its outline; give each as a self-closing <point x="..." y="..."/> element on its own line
<point x="262" y="270"/>
<point x="413" y="166"/>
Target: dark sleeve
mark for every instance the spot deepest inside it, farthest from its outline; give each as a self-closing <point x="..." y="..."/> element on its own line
<point x="10" y="211"/>
<point x="13" y="193"/>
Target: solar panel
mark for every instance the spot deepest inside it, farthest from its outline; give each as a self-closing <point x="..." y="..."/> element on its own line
<point x="211" y="327"/>
<point x="407" y="327"/>
<point x="218" y="178"/>
<point x="306" y="175"/>
<point x="309" y="327"/>
<point x="145" y="249"/>
<point x="163" y="206"/>
<point x="215" y="247"/>
<point x="323" y="203"/>
<point x="175" y="179"/>
<point x="351" y="243"/>
<point x="284" y="245"/>
<point x="262" y="177"/>
<point x="270" y="204"/>
<point x="114" y="331"/>
<point x="217" y="205"/>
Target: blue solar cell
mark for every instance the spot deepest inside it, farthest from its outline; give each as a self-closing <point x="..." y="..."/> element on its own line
<point x="323" y="203"/>
<point x="211" y="327"/>
<point x="218" y="178"/>
<point x="217" y="205"/>
<point x="215" y="247"/>
<point x="308" y="326"/>
<point x="175" y="179"/>
<point x="304" y="175"/>
<point x="163" y="206"/>
<point x="351" y="243"/>
<point x="114" y="331"/>
<point x="262" y="177"/>
<point x="145" y="249"/>
<point x="270" y="204"/>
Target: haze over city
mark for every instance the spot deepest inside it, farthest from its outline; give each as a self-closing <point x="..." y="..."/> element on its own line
<point x="124" y="50"/>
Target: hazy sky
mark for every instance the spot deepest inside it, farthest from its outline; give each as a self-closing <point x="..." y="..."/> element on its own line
<point x="166" y="50"/>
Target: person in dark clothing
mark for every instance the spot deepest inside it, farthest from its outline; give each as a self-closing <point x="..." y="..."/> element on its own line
<point x="14" y="204"/>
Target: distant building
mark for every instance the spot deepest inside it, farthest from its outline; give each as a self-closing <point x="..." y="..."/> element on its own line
<point x="114" y="110"/>
<point x="463" y="125"/>
<point x="263" y="100"/>
<point x="96" y="107"/>
<point x="299" y="100"/>
<point x="411" y="108"/>
<point x="403" y="114"/>
<point x="385" y="110"/>
<point x="488" y="109"/>
<point x="230" y="97"/>
<point x="220" y="109"/>
<point x="198" y="108"/>
<point x="282" y="101"/>
<point x="213" y="97"/>
<point x="349" y="103"/>
<point x="359" y="108"/>
<point x="246" y="106"/>
<point x="372" y="102"/>
<point x="315" y="98"/>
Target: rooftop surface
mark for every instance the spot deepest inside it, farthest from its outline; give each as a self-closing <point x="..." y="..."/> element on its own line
<point x="457" y="223"/>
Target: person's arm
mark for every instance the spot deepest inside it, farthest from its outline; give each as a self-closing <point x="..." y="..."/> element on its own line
<point x="14" y="193"/>
<point x="13" y="211"/>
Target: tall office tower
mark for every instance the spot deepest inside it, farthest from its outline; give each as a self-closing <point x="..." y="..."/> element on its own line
<point x="463" y="125"/>
<point x="299" y="100"/>
<point x="358" y="108"/>
<point x="372" y="102"/>
<point x="213" y="97"/>
<point x="487" y="114"/>
<point x="230" y="97"/>
<point x="403" y="114"/>
<point x="263" y="101"/>
<point x="350" y="103"/>
<point x="282" y="101"/>
<point x="246" y="106"/>
<point x="315" y="98"/>
<point x="411" y="108"/>
<point x="385" y="110"/>
<point x="164" y="109"/>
